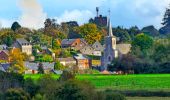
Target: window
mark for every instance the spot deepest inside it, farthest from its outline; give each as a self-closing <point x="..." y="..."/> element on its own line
<point x="109" y="59"/>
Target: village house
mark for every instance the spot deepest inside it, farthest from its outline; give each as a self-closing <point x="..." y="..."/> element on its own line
<point x="4" y="55"/>
<point x="75" y="44"/>
<point x="82" y="62"/>
<point x="96" y="49"/>
<point x="24" y="45"/>
<point x="32" y="67"/>
<point x="69" y="62"/>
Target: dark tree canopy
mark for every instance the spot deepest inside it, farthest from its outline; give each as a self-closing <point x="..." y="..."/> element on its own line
<point x="15" y="26"/>
<point x="40" y="68"/>
<point x="166" y="22"/>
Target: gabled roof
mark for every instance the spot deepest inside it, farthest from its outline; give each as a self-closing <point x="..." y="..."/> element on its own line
<point x="5" y="66"/>
<point x="123" y="48"/>
<point x="67" y="41"/>
<point x="34" y="66"/>
<point x="22" y="41"/>
<point x="5" y="51"/>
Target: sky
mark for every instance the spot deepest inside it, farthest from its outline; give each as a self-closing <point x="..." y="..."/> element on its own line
<point x="126" y="13"/>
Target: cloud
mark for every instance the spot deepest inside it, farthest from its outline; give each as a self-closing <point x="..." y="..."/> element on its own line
<point x="81" y="16"/>
<point x="32" y="14"/>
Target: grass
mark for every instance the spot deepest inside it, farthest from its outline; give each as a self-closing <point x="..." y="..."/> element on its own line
<point x="154" y="82"/>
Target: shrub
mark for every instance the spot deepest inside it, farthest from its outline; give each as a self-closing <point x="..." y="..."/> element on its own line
<point x="75" y="90"/>
<point x="16" y="94"/>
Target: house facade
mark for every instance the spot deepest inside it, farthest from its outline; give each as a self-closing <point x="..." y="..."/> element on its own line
<point x="82" y="62"/>
<point x="24" y="45"/>
<point x="70" y="61"/>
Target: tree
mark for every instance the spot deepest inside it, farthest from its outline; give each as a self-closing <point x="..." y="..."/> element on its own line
<point x="16" y="94"/>
<point x="17" y="61"/>
<point x="143" y="42"/>
<point x="40" y="68"/>
<point x="58" y="66"/>
<point x="75" y="90"/>
<point x="90" y="33"/>
<point x="166" y="22"/>
<point x="66" y="75"/>
<point x="15" y="26"/>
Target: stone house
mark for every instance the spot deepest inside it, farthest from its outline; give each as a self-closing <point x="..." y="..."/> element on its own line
<point x="96" y="49"/>
<point x="24" y="45"/>
<point x="82" y="62"/>
<point x="4" y="55"/>
<point x="75" y="44"/>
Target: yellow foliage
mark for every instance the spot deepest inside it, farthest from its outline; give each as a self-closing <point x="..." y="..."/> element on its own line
<point x="17" y="60"/>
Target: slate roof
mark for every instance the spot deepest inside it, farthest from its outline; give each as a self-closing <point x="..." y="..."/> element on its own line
<point x="80" y="57"/>
<point x="34" y="66"/>
<point x="3" y="47"/>
<point x="22" y="41"/>
<point x="4" y="66"/>
<point x="67" y="42"/>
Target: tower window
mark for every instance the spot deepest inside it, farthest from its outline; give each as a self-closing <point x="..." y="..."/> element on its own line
<point x="109" y="59"/>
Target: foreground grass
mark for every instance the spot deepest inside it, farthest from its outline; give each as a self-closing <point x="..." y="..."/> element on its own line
<point x="148" y="98"/>
<point x="153" y="82"/>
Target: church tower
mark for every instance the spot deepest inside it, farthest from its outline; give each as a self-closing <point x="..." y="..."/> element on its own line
<point x="110" y="52"/>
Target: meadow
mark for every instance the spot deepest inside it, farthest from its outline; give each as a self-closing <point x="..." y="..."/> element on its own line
<point x="152" y="82"/>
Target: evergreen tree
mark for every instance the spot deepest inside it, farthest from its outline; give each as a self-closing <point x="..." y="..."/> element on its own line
<point x="15" y="26"/>
<point x="40" y="68"/>
<point x="166" y="22"/>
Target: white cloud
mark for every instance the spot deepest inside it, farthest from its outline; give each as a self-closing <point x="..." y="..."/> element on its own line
<point x="81" y="16"/>
<point x="32" y="14"/>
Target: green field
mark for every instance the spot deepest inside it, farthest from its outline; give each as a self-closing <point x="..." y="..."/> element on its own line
<point x="153" y="82"/>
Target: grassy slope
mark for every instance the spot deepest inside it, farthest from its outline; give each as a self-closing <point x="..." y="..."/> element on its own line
<point x="148" y="98"/>
<point x="124" y="82"/>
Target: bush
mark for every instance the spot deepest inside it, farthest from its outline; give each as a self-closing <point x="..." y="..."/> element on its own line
<point x="75" y="90"/>
<point x="66" y="75"/>
<point x="109" y="95"/>
<point x="16" y="94"/>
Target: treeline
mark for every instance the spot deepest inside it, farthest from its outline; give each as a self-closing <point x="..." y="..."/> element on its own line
<point x="67" y="87"/>
<point x="148" y="55"/>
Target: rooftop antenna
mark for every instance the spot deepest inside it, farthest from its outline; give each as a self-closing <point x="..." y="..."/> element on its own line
<point x="97" y="10"/>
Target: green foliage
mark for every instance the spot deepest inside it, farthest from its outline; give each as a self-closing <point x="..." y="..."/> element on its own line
<point x="44" y="58"/>
<point x="143" y="43"/>
<point x="39" y="97"/>
<point x="48" y="86"/>
<point x="16" y="94"/>
<point x="31" y="87"/>
<point x="66" y="75"/>
<point x="90" y="33"/>
<point x="122" y="34"/>
<point x="58" y="66"/>
<point x="65" y="53"/>
<point x="75" y="90"/>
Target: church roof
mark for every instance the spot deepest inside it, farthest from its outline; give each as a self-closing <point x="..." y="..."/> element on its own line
<point x="110" y="31"/>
